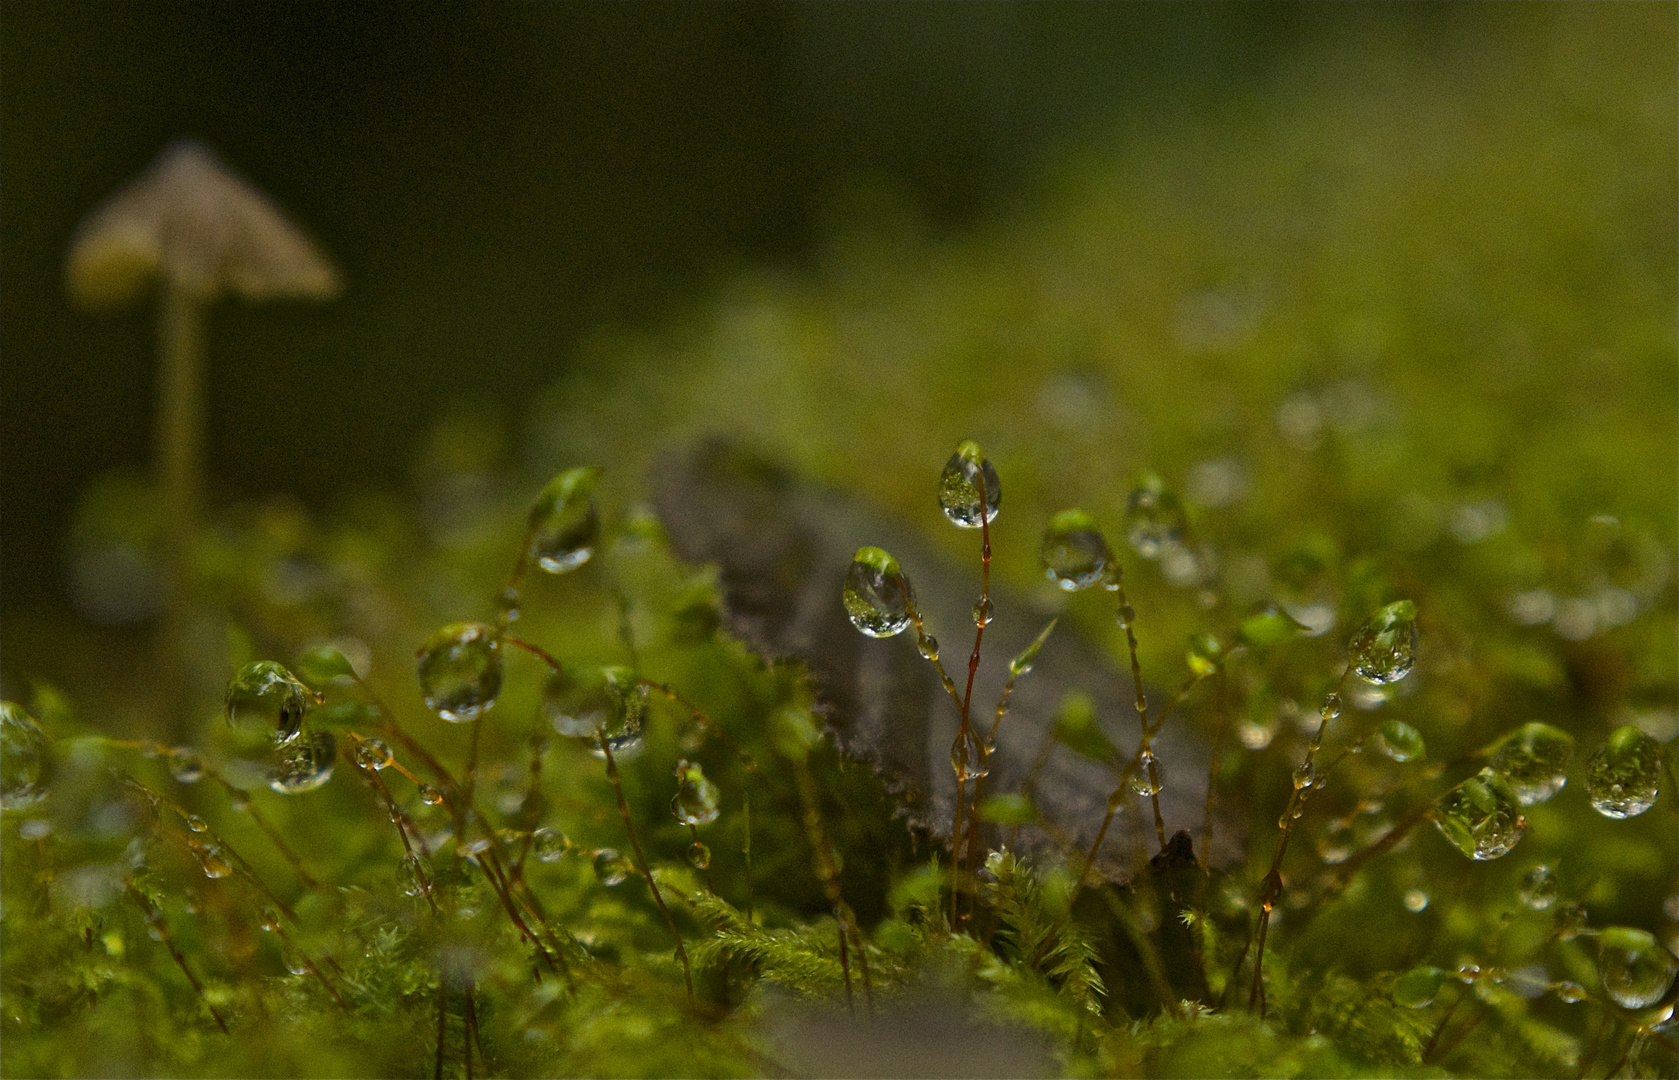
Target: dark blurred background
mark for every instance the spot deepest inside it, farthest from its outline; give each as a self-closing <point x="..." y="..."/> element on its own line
<point x="495" y="179"/>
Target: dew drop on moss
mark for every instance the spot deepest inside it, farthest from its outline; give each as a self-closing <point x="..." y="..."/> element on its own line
<point x="1075" y="556"/>
<point x="959" y="488"/>
<point x="699" y="856"/>
<point x="968" y="757"/>
<point x="430" y="795"/>
<point x="1539" y="887"/>
<point x="1418" y="987"/>
<point x="1571" y="992"/>
<point x="564" y="522"/>
<point x="25" y="758"/>
<point x="1415" y="900"/>
<point x="460" y="671"/>
<point x="411" y="876"/>
<point x="623" y="728"/>
<point x="611" y="867"/>
<point x="696" y="799"/>
<point x="1636" y="970"/>
<point x="577" y="702"/>
<point x="265" y="694"/>
<point x="185" y="766"/>
<point x="303" y="762"/>
<point x="269" y="920"/>
<point x="1143" y="782"/>
<point x="1385" y="647"/>
<point x="1623" y="777"/>
<point x="374" y="754"/>
<point x="877" y="595"/>
<point x="982" y="611"/>
<point x="928" y="646"/>
<point x="1534" y="758"/>
<point x="1481" y="816"/>
<point x="1153" y="519"/>
<point x="211" y="860"/>
<point x="1400" y="741"/>
<point x="548" y="844"/>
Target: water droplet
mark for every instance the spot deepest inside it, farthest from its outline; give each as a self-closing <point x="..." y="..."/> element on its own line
<point x="1623" y="777"/>
<point x="696" y="799"/>
<point x="1304" y="774"/>
<point x="1418" y="987"/>
<point x="239" y="799"/>
<point x="460" y="671"/>
<point x="982" y="611"/>
<point x="968" y="756"/>
<point x="578" y="702"/>
<point x="210" y="859"/>
<point x="1539" y="888"/>
<point x="302" y="763"/>
<point x="928" y="646"/>
<point x="1571" y="992"/>
<point x="264" y="694"/>
<point x="1385" y="647"/>
<point x="1481" y="816"/>
<point x="374" y="754"/>
<point x="1075" y="556"/>
<point x="472" y="848"/>
<point x="1331" y="707"/>
<point x="959" y="488"/>
<point x="1570" y="919"/>
<point x="699" y="856"/>
<point x="430" y="795"/>
<point x="611" y="867"/>
<point x="1635" y="969"/>
<point x="1468" y="973"/>
<point x="1400" y="741"/>
<point x="196" y="824"/>
<point x="25" y="758"/>
<point x="1534" y="758"/>
<point x="1416" y="900"/>
<point x="185" y="766"/>
<point x="1142" y="782"/>
<point x="877" y="596"/>
<point x="629" y="708"/>
<point x="564" y="522"/>
<point x="1153" y="519"/>
<point x="269" y="920"/>
<point x="1204" y="655"/>
<point x="549" y="845"/>
<point x="411" y="876"/>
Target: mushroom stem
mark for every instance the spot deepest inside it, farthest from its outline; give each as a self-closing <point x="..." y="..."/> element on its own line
<point x="179" y="448"/>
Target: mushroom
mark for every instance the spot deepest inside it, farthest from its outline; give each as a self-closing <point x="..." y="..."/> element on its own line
<point x="202" y="231"/>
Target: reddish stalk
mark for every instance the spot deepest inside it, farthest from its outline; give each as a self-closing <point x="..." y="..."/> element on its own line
<point x="641" y="859"/>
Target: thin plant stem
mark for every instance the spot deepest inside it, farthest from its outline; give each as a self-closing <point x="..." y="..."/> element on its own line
<point x="1273" y="886"/>
<point x="828" y="871"/>
<point x="928" y="649"/>
<point x="155" y="920"/>
<point x="965" y="737"/>
<point x="845" y="967"/>
<point x="1127" y="621"/>
<point x="641" y="858"/>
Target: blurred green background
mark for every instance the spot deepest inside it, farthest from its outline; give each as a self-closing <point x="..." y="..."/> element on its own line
<point x="501" y="181"/>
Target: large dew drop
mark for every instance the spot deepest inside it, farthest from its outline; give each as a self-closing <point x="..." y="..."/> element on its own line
<point x="460" y="671"/>
<point x="1075" y="555"/>
<point x="1400" y="741"/>
<point x="1481" y="816"/>
<point x="1539" y="887"/>
<point x="263" y="693"/>
<point x="1418" y="987"/>
<point x="565" y="523"/>
<point x="1153" y="519"/>
<point x="878" y="596"/>
<point x="1635" y="969"/>
<point x="1534" y="758"/>
<point x="622" y="730"/>
<point x="696" y="799"/>
<point x="1385" y="647"/>
<point x="611" y="867"/>
<point x="303" y="762"/>
<point x="578" y="702"/>
<point x="959" y="488"/>
<point x="1623" y="778"/>
<point x="25" y="758"/>
<point x="968" y="756"/>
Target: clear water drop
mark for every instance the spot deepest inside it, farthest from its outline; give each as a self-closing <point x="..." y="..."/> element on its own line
<point x="1534" y="758"/>
<point x="1418" y="987"/>
<point x="610" y="867"/>
<point x="1623" y="776"/>
<point x="877" y="596"/>
<point x="196" y="824"/>
<point x="1571" y="992"/>
<point x="1304" y="775"/>
<point x="564" y="522"/>
<point x="1400" y="741"/>
<point x="699" y="856"/>
<point x="185" y="766"/>
<point x="1154" y="519"/>
<point x="1539" y="887"/>
<point x="1416" y="900"/>
<point x="460" y="671"/>
<point x="968" y="756"/>
<point x="982" y="611"/>
<point x="696" y="801"/>
<point x="302" y="763"/>
<point x="549" y="845"/>
<point x="1331" y="707"/>
<point x="577" y="702"/>
<point x="959" y="488"/>
<point x="210" y="859"/>
<point x="374" y="754"/>
<point x="1569" y="920"/>
<point x="1075" y="556"/>
<point x="430" y="795"/>
<point x="1481" y="816"/>
<point x="1636" y="970"/>
<point x="623" y="729"/>
<point x="1468" y="973"/>
<point x="25" y="758"/>
<point x="263" y="694"/>
<point x="1143" y="781"/>
<point x="928" y="646"/>
<point x="1384" y="648"/>
<point x="411" y="876"/>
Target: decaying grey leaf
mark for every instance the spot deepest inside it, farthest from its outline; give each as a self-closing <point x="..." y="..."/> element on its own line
<point x="782" y="550"/>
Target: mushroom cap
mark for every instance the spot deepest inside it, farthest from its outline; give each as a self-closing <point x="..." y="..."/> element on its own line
<point x="195" y="222"/>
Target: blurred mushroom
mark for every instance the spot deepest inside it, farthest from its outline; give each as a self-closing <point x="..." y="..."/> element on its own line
<point x="199" y="231"/>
